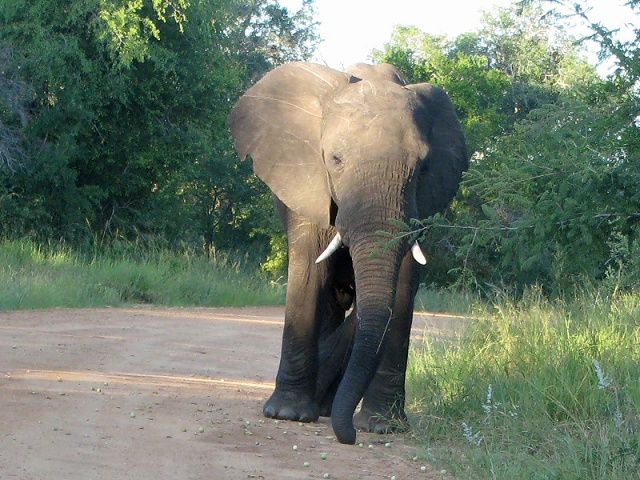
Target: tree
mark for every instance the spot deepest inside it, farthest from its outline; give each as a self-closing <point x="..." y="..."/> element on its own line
<point x="555" y="195"/>
<point x="555" y="202"/>
<point x="541" y="202"/>
<point x="266" y="35"/>
<point x="14" y="97"/>
<point x="217" y="194"/>
<point x="126" y="122"/>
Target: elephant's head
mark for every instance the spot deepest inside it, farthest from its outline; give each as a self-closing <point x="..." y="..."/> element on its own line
<point x="354" y="150"/>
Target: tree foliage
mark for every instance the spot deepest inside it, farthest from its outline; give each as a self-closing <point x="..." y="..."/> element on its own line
<point x="549" y="198"/>
<point x="559" y="189"/>
<point x="113" y="116"/>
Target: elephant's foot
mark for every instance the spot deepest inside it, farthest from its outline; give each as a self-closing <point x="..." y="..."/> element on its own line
<point x="370" y="421"/>
<point x="291" y="406"/>
<point x="325" y="409"/>
<point x="326" y="402"/>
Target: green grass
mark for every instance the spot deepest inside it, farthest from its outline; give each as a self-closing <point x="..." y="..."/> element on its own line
<point x="444" y="300"/>
<point x="534" y="390"/>
<point x="35" y="276"/>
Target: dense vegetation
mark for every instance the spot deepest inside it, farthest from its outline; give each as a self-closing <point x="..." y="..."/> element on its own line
<point x="113" y="119"/>
<point x="534" y="389"/>
<point x="550" y="197"/>
<point x="113" y="129"/>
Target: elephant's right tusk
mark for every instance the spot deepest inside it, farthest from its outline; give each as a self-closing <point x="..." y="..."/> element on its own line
<point x="333" y="246"/>
<point x="418" y="256"/>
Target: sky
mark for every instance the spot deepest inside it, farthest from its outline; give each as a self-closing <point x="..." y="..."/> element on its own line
<point x="351" y="29"/>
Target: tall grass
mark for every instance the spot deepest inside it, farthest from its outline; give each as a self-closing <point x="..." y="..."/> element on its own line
<point x="534" y="390"/>
<point x="445" y="300"/>
<point x="36" y="276"/>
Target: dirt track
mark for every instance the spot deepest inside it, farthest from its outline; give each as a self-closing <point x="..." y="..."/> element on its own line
<point x="149" y="393"/>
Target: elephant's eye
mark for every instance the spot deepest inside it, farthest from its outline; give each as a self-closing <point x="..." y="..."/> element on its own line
<point x="336" y="160"/>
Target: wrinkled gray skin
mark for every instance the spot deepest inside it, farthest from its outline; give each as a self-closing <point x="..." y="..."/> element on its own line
<point x="348" y="152"/>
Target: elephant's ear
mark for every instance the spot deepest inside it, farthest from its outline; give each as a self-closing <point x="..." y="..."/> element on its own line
<point x="447" y="159"/>
<point x="278" y="123"/>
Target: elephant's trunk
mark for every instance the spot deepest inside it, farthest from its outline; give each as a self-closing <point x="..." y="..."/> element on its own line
<point x="376" y="274"/>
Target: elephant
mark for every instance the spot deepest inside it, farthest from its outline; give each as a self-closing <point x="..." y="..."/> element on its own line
<point x="349" y="156"/>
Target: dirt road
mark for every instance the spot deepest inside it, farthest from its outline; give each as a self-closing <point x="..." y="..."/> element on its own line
<point x="151" y="394"/>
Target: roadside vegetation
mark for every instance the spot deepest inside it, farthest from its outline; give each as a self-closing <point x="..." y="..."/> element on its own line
<point x="37" y="276"/>
<point x="533" y="389"/>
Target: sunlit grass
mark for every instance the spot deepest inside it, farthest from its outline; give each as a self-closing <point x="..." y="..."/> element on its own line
<point x="36" y="276"/>
<point x="534" y="389"/>
<point x="444" y="300"/>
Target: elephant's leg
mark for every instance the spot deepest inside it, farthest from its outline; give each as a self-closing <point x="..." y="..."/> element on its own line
<point x="334" y="357"/>
<point x="294" y="397"/>
<point x="336" y="339"/>
<point x="383" y="404"/>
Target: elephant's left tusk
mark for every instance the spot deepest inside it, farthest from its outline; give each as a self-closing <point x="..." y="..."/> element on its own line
<point x="418" y="256"/>
<point x="333" y="246"/>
